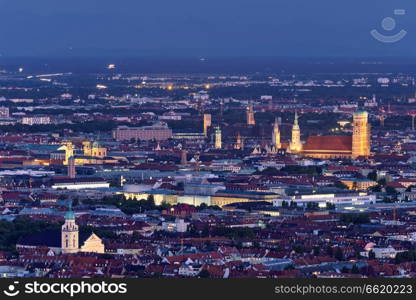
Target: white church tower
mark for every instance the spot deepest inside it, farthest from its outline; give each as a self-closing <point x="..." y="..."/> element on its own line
<point x="70" y="234"/>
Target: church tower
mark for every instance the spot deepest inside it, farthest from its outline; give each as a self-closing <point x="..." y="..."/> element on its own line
<point x="69" y="152"/>
<point x="238" y="142"/>
<point x="70" y="234"/>
<point x="86" y="146"/>
<point x="360" y="135"/>
<point x="250" y="115"/>
<point x="207" y="123"/>
<point x="295" y="144"/>
<point x="218" y="138"/>
<point x="276" y="135"/>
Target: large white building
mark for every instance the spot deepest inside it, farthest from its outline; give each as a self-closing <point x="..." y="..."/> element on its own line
<point x="36" y="120"/>
<point x="346" y="199"/>
<point x="80" y="183"/>
<point x="145" y="133"/>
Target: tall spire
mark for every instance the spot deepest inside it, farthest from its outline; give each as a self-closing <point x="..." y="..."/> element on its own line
<point x="276" y="135"/>
<point x="238" y="142"/>
<point x="250" y="115"/>
<point x="295" y="144"/>
<point x="218" y="138"/>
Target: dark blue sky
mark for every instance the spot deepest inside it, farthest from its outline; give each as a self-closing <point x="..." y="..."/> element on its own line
<point x="194" y="28"/>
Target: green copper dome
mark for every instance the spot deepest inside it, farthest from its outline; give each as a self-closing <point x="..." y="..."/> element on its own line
<point x="96" y="144"/>
<point x="69" y="215"/>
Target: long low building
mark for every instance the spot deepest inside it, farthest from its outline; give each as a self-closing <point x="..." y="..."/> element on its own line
<point x="219" y="198"/>
<point x="80" y="183"/>
<point x="225" y="197"/>
<point x="344" y="199"/>
<point x="144" y="133"/>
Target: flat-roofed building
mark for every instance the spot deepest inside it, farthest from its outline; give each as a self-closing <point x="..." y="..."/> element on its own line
<point x="80" y="183"/>
<point x="145" y="133"/>
<point x="342" y="199"/>
<point x="36" y="120"/>
<point x="226" y="197"/>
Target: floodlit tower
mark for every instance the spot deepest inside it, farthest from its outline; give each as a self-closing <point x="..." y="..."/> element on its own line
<point x="361" y="135"/>
<point x="218" y="138"/>
<point x="413" y="121"/>
<point x="238" y="142"/>
<point x="86" y="146"/>
<point x="69" y="234"/>
<point x="276" y="135"/>
<point x="295" y="144"/>
<point x="69" y="152"/>
<point x="250" y="115"/>
<point x="207" y="123"/>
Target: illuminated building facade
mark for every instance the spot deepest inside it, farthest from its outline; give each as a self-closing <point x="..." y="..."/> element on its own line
<point x="69" y="151"/>
<point x="342" y="146"/>
<point x="276" y="135"/>
<point x="70" y="234"/>
<point x="250" y="115"/>
<point x="345" y="199"/>
<point x="207" y="123"/>
<point x="360" y="135"/>
<point x="238" y="143"/>
<point x="295" y="143"/>
<point x="218" y="138"/>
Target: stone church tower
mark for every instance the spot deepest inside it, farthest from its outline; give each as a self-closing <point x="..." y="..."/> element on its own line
<point x="250" y="115"/>
<point x="69" y="152"/>
<point x="276" y="135"/>
<point x="70" y="234"/>
<point x="218" y="138"/>
<point x="295" y="144"/>
<point x="360" y="135"/>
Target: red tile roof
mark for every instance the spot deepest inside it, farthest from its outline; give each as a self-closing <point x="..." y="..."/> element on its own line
<point x="329" y="143"/>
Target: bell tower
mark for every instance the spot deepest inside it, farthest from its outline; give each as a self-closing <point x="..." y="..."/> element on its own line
<point x="86" y="146"/>
<point x="360" y="135"/>
<point x="69" y="152"/>
<point x="250" y="115"/>
<point x="238" y="142"/>
<point x="70" y="234"/>
<point x="218" y="138"/>
<point x="207" y="123"/>
<point x="276" y="135"/>
<point x="295" y="144"/>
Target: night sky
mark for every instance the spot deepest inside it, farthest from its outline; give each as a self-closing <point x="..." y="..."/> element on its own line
<point x="195" y="28"/>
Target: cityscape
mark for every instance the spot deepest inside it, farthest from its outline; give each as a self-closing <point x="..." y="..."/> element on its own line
<point x="115" y="173"/>
<point x="224" y="149"/>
